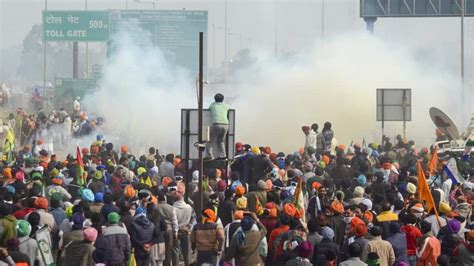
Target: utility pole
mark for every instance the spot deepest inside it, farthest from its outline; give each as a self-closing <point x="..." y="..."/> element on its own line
<point x="225" y="31"/>
<point x="322" y="19"/>
<point x="276" y="28"/>
<point x="87" y="52"/>
<point x="44" y="56"/>
<point x="200" y="115"/>
<point x="463" y="93"/>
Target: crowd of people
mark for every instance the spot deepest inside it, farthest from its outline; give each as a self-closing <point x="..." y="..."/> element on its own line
<point x="51" y="131"/>
<point x="321" y="205"/>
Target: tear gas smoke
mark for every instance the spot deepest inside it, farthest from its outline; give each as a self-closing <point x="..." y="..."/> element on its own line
<point x="141" y="95"/>
<point x="336" y="81"/>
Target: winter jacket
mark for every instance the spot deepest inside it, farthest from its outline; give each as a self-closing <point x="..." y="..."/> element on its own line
<point x="399" y="245"/>
<point x="253" y="203"/>
<point x="114" y="246"/>
<point x="246" y="253"/>
<point x="142" y="232"/>
<point x="382" y="248"/>
<point x="226" y="211"/>
<point x="185" y="215"/>
<point x="168" y="213"/>
<point x="260" y="166"/>
<point x="46" y="218"/>
<point x="29" y="246"/>
<point x="59" y="215"/>
<point x="319" y="257"/>
<point x="449" y="243"/>
<point x="78" y="253"/>
<point x="337" y="224"/>
<point x="429" y="251"/>
<point x="354" y="261"/>
<point x="207" y="237"/>
<point x="7" y="229"/>
<point x="465" y="254"/>
<point x="412" y="234"/>
<point x="159" y="223"/>
<point x="50" y="190"/>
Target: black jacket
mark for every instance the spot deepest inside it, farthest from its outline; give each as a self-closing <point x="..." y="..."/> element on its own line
<point x="142" y="232"/>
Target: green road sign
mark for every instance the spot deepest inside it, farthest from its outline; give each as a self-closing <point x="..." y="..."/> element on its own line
<point x="76" y="26"/>
<point x="175" y="32"/>
<point x="64" y="87"/>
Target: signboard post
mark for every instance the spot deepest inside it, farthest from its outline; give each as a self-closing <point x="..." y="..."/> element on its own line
<point x="76" y="26"/>
<point x="393" y="105"/>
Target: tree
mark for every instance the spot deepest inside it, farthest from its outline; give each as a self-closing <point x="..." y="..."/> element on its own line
<point x="58" y="57"/>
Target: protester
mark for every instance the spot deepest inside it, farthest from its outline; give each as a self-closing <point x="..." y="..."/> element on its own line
<point x="106" y="205"/>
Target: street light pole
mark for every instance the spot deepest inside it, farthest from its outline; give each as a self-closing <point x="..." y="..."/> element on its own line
<point x="44" y="55"/>
<point x="225" y="31"/>
<point x="213" y="46"/>
<point x="322" y="19"/>
<point x="463" y="93"/>
<point x="276" y="29"/>
<point x="87" y="51"/>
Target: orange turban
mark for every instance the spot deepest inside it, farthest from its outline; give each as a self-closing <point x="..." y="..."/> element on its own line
<point x="57" y="181"/>
<point x="369" y="216"/>
<point x="273" y="213"/>
<point x="289" y="209"/>
<point x="7" y="173"/>
<point x="166" y="181"/>
<point x="208" y="215"/>
<point x="239" y="191"/>
<point x="337" y="207"/>
<point x="326" y="159"/>
<point x="360" y="230"/>
<point x="316" y="185"/>
<point x="129" y="191"/>
<point x="41" y="203"/>
<point x="123" y="149"/>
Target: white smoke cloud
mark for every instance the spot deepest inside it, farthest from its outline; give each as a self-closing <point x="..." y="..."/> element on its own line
<point x="336" y="81"/>
<point x="141" y="94"/>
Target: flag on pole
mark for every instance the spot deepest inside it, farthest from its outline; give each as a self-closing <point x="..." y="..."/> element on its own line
<point x="433" y="163"/>
<point x="80" y="168"/>
<point x="424" y="192"/>
<point x="451" y="170"/>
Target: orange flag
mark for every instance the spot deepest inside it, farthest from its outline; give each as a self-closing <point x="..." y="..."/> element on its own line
<point x="424" y="192"/>
<point x="433" y="164"/>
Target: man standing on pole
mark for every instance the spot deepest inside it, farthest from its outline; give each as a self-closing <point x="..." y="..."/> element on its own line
<point x="219" y="128"/>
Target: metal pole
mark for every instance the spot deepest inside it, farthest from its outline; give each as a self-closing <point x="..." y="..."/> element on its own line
<point x="225" y="31"/>
<point x="322" y="19"/>
<point x="383" y="113"/>
<point x="87" y="53"/>
<point x="213" y="46"/>
<point x="276" y="29"/>
<point x="200" y="107"/>
<point x="463" y="93"/>
<point x="75" y="60"/>
<point x="44" y="55"/>
<point x="404" y="115"/>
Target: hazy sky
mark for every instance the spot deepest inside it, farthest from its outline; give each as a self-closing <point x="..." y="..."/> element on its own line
<point x="251" y="23"/>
